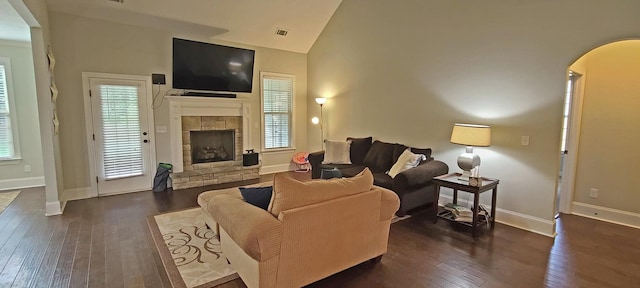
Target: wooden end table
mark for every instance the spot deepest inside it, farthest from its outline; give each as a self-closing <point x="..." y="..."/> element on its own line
<point x="486" y="184"/>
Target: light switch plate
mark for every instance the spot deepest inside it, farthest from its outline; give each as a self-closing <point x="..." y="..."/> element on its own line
<point x="525" y="141"/>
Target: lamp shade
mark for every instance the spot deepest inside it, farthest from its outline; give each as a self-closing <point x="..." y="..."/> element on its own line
<point x="321" y="100"/>
<point x="471" y="135"/>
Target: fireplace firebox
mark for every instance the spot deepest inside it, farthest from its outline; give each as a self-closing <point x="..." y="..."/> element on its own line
<point x="212" y="146"/>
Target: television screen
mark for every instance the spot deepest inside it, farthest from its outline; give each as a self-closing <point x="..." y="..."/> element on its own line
<point x="205" y="66"/>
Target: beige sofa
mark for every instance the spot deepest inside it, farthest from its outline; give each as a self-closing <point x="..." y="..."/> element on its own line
<point x="311" y="230"/>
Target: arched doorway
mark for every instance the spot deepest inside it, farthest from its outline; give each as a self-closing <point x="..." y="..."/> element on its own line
<point x="598" y="176"/>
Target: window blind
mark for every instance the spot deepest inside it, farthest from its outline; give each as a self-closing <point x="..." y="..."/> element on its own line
<point x="6" y="139"/>
<point x="122" y="145"/>
<point x="277" y="108"/>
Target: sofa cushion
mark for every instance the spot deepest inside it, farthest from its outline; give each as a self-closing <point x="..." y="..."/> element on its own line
<point x="257" y="196"/>
<point x="289" y="193"/>
<point x="206" y="196"/>
<point x="383" y="180"/>
<point x="337" y="152"/>
<point x="380" y="156"/>
<point x="359" y="149"/>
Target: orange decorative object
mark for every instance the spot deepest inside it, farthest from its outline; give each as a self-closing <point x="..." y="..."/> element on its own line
<point x="301" y="159"/>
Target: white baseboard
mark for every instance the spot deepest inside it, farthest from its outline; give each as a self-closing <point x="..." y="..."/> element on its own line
<point x="515" y="219"/>
<point x="53" y="208"/>
<point x="274" y="169"/>
<point x="20" y="183"/>
<point x="606" y="214"/>
<point x="77" y="194"/>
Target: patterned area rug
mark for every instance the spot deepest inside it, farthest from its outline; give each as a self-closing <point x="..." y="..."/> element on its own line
<point x="398" y="219"/>
<point x="189" y="250"/>
<point x="6" y="198"/>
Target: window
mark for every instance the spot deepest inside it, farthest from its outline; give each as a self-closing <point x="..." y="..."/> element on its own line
<point x="277" y="110"/>
<point x="8" y="128"/>
<point x="567" y="109"/>
<point x="121" y="132"/>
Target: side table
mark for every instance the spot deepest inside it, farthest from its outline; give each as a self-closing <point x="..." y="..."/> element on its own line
<point x="484" y="184"/>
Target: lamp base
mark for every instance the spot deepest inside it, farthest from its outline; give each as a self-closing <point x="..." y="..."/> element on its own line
<point x="467" y="161"/>
<point x="465" y="176"/>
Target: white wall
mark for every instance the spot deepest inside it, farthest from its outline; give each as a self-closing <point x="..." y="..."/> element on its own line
<point x="406" y="72"/>
<point x="89" y="45"/>
<point x="24" y="92"/>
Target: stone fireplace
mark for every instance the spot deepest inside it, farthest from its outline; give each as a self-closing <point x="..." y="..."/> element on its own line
<point x="208" y="141"/>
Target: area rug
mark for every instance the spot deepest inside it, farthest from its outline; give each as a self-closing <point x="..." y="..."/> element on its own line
<point x="6" y="198"/>
<point x="190" y="251"/>
<point x="398" y="219"/>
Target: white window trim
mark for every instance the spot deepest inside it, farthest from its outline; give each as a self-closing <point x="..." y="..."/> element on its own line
<point x="12" y="113"/>
<point x="293" y="112"/>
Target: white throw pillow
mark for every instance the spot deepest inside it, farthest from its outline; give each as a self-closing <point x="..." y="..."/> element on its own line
<point x="337" y="152"/>
<point x="407" y="160"/>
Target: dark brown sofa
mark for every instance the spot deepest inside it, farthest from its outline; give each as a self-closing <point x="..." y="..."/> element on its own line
<point x="414" y="186"/>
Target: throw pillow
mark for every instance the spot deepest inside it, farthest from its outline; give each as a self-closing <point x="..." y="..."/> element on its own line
<point x="289" y="193"/>
<point x="257" y="196"/>
<point x="380" y="157"/>
<point x="359" y="149"/>
<point x="337" y="152"/>
<point x="426" y="152"/>
<point x="406" y="161"/>
<point x="398" y="149"/>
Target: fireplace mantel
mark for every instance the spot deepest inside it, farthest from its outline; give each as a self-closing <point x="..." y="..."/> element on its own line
<point x="204" y="106"/>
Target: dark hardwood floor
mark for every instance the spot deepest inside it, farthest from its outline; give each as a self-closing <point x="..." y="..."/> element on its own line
<point x="105" y="242"/>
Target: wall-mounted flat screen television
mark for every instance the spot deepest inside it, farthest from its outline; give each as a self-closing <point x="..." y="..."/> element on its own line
<point x="211" y="67"/>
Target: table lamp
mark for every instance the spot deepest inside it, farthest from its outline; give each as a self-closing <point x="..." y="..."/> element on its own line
<point x="470" y="135"/>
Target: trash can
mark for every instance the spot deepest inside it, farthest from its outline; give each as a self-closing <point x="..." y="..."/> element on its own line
<point x="162" y="175"/>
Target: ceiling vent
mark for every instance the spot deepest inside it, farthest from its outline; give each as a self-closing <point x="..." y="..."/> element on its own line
<point x="281" y="32"/>
<point x="117" y="1"/>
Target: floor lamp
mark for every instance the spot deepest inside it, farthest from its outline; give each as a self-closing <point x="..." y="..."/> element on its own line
<point x="316" y="121"/>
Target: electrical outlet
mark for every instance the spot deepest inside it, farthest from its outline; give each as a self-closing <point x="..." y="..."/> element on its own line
<point x="27" y="168"/>
<point x="525" y="141"/>
<point x="593" y="193"/>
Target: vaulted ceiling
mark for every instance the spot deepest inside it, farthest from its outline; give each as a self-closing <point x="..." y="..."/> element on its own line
<point x="252" y="22"/>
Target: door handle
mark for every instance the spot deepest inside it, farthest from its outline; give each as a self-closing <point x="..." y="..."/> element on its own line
<point x="145" y="141"/>
<point x="144" y="133"/>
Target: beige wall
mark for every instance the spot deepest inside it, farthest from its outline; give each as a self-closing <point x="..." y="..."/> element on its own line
<point x="406" y="72"/>
<point x="610" y="129"/>
<point x="88" y="45"/>
<point x="24" y="93"/>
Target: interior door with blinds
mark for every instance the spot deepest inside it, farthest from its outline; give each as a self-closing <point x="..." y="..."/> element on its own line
<point x="121" y="135"/>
